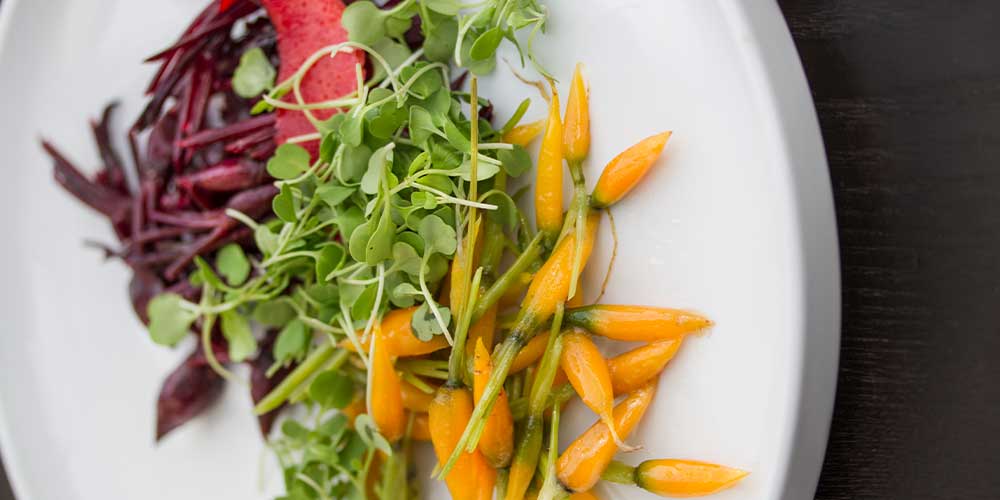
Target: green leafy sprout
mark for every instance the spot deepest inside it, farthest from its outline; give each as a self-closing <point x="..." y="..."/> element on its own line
<point x="405" y="169"/>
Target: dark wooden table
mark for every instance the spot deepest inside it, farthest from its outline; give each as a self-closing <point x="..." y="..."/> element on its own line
<point x="908" y="95"/>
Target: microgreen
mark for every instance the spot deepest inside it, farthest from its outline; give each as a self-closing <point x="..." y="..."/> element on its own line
<point x="233" y="264"/>
<point x="254" y="74"/>
<point x="169" y="319"/>
<point x="370" y="223"/>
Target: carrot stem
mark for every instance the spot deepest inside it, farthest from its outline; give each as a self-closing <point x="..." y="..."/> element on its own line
<point x="524" y="261"/>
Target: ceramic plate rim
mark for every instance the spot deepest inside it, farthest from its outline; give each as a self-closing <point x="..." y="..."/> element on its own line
<point x="779" y="73"/>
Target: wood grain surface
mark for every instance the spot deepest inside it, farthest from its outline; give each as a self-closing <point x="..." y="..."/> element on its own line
<point x="908" y="96"/>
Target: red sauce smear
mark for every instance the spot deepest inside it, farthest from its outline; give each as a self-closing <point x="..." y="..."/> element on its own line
<point x="303" y="27"/>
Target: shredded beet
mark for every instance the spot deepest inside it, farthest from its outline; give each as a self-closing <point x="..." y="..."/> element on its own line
<point x="201" y="154"/>
<point x="196" y="151"/>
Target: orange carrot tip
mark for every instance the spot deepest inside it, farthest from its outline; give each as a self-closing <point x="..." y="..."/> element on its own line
<point x="576" y="125"/>
<point x="626" y="170"/>
<point x="523" y="135"/>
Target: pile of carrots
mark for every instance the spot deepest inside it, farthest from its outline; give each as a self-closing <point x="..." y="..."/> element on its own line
<point x="488" y="421"/>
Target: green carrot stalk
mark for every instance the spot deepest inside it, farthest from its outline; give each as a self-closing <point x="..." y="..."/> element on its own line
<point x="495" y="292"/>
<point x="300" y="374"/>
<point x="551" y="488"/>
<point x="618" y="472"/>
<point x="529" y="444"/>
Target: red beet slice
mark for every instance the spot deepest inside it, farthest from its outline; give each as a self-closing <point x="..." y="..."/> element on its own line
<point x="303" y="27"/>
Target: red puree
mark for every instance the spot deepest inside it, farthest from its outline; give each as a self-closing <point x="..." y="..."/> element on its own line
<point x="303" y="27"/>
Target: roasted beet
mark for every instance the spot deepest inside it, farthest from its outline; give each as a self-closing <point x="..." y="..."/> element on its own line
<point x="141" y="289"/>
<point x="195" y="151"/>
<point x="187" y="391"/>
<point x="229" y="175"/>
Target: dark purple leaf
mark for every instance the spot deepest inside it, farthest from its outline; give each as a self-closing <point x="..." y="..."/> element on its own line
<point x="190" y="389"/>
<point x="143" y="286"/>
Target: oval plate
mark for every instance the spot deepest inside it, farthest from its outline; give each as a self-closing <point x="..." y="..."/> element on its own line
<point x="737" y="222"/>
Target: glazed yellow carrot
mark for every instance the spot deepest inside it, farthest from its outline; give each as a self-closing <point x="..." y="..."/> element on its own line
<point x="385" y="399"/>
<point x="547" y="292"/>
<point x="626" y="170"/>
<point x="685" y="478"/>
<point x="580" y="466"/>
<point x="576" y="126"/>
<point x="551" y="284"/>
<point x="549" y="179"/>
<point x="587" y="371"/>
<point x="636" y="323"/>
<point x="420" y="429"/>
<point x="671" y="477"/>
<point x="530" y="353"/>
<point x="399" y="337"/>
<point x="529" y="442"/>
<point x="355" y="408"/>
<point x="448" y="415"/>
<point x="415" y="399"/>
<point x="486" y="481"/>
<point x="632" y="369"/>
<point x="522" y="135"/>
<point x="497" y="443"/>
<point x="576" y="300"/>
<point x="482" y="330"/>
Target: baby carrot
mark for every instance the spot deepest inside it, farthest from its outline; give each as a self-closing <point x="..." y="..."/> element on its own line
<point x="549" y="179"/>
<point x="482" y="330"/>
<point x="670" y="477"/>
<point x="626" y="170"/>
<point x="587" y="371"/>
<point x="420" y="429"/>
<point x="497" y="443"/>
<point x="584" y="495"/>
<point x="530" y="353"/>
<point x="580" y="466"/>
<point x="576" y="126"/>
<point x="486" y="482"/>
<point x="355" y="408"/>
<point x="448" y="415"/>
<point x="546" y="293"/>
<point x="530" y="438"/>
<point x="636" y="323"/>
<point x="385" y="400"/>
<point x="415" y="399"/>
<point x="685" y="477"/>
<point x="522" y="135"/>
<point x="399" y="337"/>
<point x="632" y="369"/>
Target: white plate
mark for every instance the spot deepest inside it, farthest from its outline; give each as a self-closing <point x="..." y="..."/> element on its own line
<point x="737" y="221"/>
